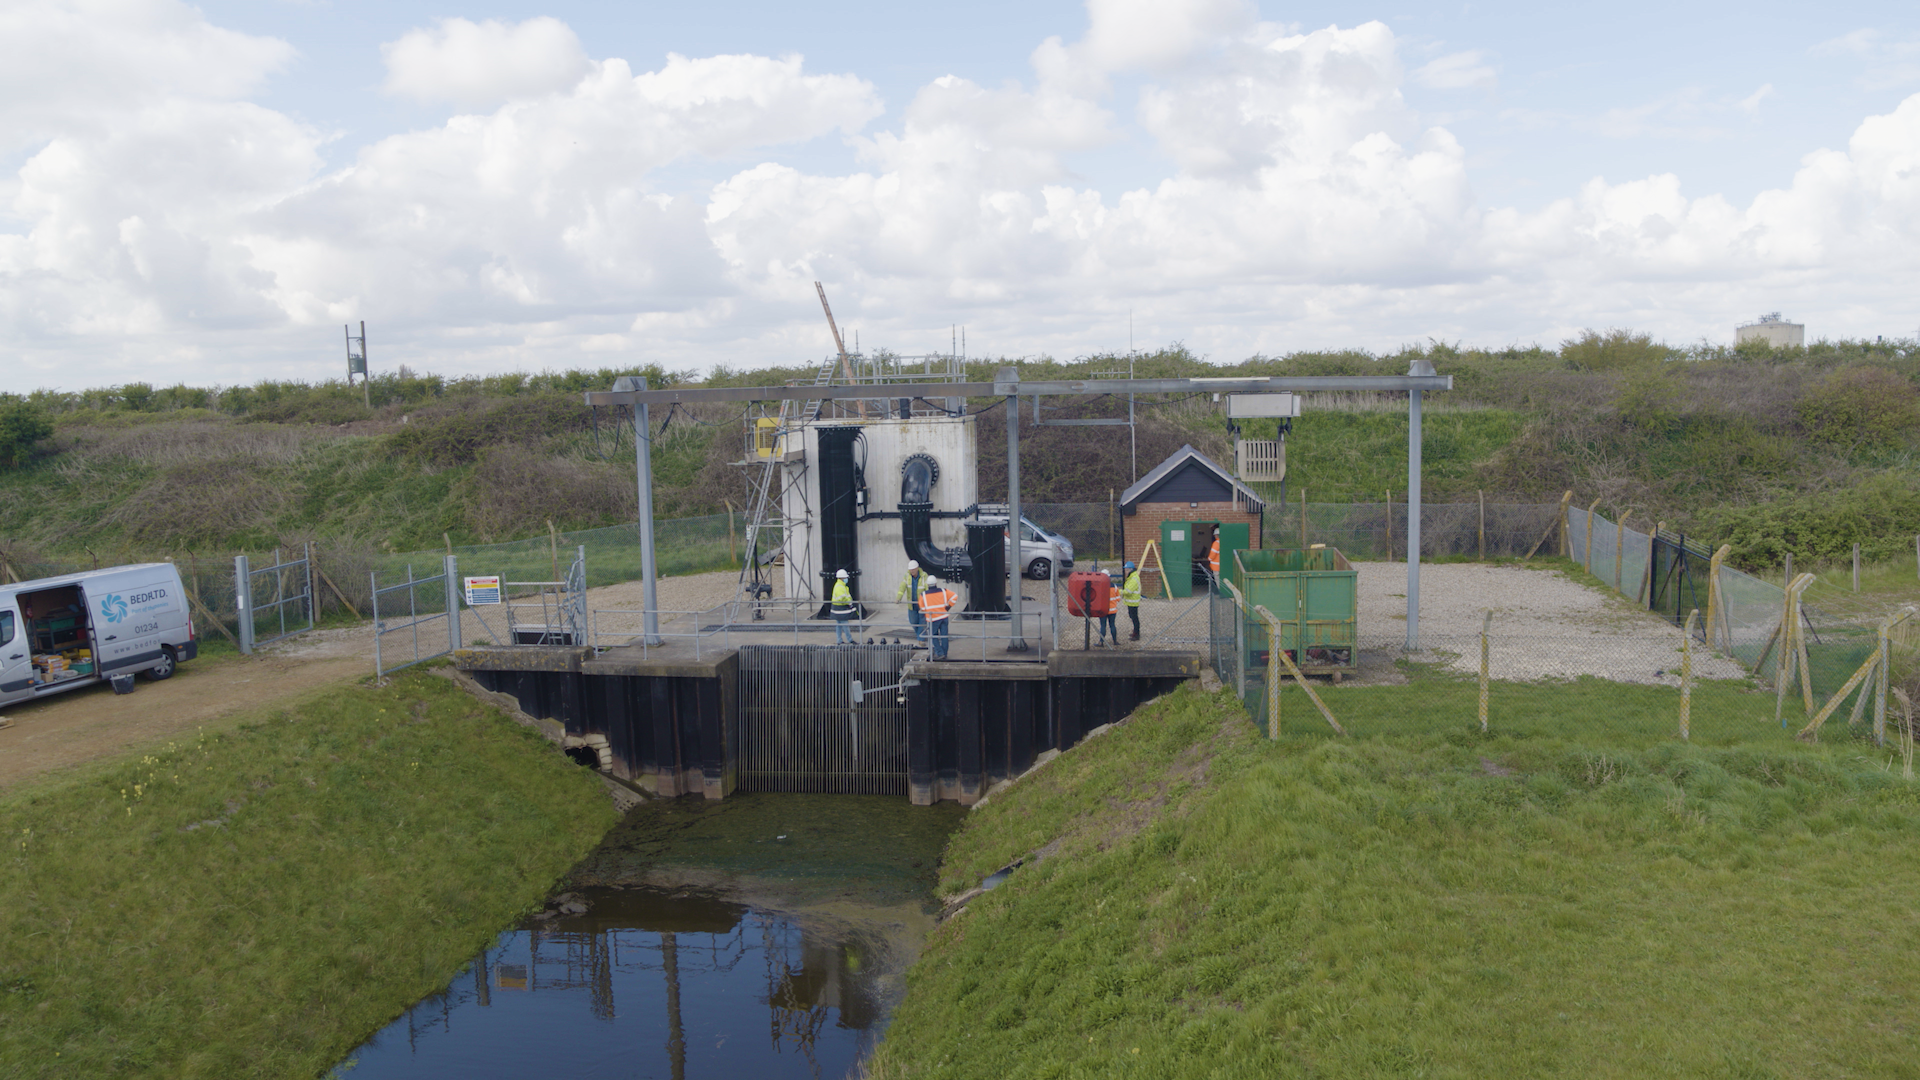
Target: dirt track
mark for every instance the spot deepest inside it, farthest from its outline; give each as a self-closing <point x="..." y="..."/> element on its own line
<point x="93" y="722"/>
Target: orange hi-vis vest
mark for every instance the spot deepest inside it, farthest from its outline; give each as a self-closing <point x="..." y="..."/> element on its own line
<point x="935" y="603"/>
<point x="1113" y="602"/>
<point x="1213" y="557"/>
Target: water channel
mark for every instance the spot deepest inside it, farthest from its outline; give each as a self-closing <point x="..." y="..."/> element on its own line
<point x="763" y="936"/>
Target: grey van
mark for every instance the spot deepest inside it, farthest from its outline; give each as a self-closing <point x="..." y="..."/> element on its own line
<point x="60" y="633"/>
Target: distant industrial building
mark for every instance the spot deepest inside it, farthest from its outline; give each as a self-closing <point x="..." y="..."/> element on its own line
<point x="1773" y="330"/>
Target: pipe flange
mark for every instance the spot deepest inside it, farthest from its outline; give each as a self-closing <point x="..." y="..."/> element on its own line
<point x="933" y="467"/>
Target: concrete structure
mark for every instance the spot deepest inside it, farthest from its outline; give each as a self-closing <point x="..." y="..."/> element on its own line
<point x="1179" y="504"/>
<point x="1773" y="330"/>
<point x="884" y="445"/>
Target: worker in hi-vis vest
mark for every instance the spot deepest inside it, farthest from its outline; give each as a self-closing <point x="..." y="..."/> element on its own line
<point x="910" y="589"/>
<point x="1109" y="619"/>
<point x="1213" y="559"/>
<point x="935" y="604"/>
<point x="1130" y="592"/>
<point x="842" y="610"/>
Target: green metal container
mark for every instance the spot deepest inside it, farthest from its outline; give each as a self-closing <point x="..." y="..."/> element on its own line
<point x="1314" y="594"/>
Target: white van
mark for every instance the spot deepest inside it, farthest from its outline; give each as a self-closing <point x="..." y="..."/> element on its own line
<point x="59" y="633"/>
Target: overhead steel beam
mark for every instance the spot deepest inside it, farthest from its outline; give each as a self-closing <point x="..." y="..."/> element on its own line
<point x="1013" y="387"/>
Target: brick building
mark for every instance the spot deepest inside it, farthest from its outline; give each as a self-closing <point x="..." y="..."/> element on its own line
<point x="1179" y="506"/>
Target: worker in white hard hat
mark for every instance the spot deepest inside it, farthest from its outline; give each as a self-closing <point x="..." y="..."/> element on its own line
<point x="910" y="589"/>
<point x="842" y="610"/>
<point x="936" y="603"/>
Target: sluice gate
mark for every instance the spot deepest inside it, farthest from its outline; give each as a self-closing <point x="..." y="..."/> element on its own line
<point x="782" y="717"/>
<point x="800" y="729"/>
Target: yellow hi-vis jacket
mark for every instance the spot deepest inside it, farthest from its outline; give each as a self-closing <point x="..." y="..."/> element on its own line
<point x="1130" y="592"/>
<point x="911" y="587"/>
<point x="935" y="603"/>
<point x="842" y="599"/>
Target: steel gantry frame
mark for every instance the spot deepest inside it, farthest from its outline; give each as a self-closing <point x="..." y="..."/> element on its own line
<point x="632" y="391"/>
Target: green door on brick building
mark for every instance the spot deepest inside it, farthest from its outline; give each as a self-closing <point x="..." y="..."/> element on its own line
<point x="1177" y="550"/>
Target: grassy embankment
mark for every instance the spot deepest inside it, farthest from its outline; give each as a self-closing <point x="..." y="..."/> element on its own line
<point x="257" y="902"/>
<point x="1565" y="896"/>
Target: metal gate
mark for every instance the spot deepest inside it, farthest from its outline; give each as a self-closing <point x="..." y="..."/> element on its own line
<point x="273" y="602"/>
<point x="550" y="612"/>
<point x="420" y="620"/>
<point x="801" y="731"/>
<point x="1677" y="579"/>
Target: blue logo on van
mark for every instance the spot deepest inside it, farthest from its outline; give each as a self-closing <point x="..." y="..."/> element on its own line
<point x="112" y="608"/>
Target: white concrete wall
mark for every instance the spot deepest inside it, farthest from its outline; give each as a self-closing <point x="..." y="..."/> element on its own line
<point x="886" y="444"/>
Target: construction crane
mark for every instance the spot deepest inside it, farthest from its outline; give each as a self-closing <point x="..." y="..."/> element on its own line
<point x="846" y="361"/>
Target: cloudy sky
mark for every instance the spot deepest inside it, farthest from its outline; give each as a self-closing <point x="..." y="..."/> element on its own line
<point x="206" y="193"/>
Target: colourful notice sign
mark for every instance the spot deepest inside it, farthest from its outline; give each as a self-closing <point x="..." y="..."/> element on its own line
<point x="483" y="590"/>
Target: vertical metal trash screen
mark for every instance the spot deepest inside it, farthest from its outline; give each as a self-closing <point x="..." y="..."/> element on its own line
<point x="277" y="598"/>
<point x="417" y="619"/>
<point x="800" y="730"/>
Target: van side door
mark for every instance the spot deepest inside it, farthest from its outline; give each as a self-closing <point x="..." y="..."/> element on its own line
<point x="16" y="655"/>
<point x="128" y="614"/>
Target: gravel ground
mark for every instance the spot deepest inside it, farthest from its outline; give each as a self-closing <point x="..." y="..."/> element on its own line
<point x="1545" y="625"/>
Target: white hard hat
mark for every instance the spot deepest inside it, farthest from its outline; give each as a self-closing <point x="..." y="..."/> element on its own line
<point x="911" y="565"/>
<point x="841" y="574"/>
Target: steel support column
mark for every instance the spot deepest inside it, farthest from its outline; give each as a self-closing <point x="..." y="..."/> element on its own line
<point x="1420" y="367"/>
<point x="1016" y="565"/>
<point x="643" y="468"/>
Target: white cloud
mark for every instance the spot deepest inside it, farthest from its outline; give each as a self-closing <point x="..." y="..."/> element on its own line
<point x="1303" y="202"/>
<point x="1881" y="62"/>
<point x="1751" y="103"/>
<point x="75" y="64"/>
<point x="481" y="64"/>
<point x="1457" y="71"/>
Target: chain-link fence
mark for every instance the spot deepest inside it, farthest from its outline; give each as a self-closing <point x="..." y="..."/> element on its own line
<point x="1698" y="650"/>
<point x="342" y="567"/>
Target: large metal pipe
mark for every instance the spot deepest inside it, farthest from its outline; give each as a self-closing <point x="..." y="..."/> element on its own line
<point x="840" y="487"/>
<point x="917" y="476"/>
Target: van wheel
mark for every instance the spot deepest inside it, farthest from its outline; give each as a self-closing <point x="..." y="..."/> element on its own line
<point x="1040" y="569"/>
<point x="163" y="669"/>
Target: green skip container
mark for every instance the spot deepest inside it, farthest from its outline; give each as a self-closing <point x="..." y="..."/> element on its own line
<point x="1314" y="594"/>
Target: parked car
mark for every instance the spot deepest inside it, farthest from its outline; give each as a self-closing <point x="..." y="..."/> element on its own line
<point x="60" y="633"/>
<point x="1041" y="551"/>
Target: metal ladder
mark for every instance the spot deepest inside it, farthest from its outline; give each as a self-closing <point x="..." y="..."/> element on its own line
<point x="767" y="511"/>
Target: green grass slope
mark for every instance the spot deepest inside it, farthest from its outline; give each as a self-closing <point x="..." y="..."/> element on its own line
<point x="1544" y="902"/>
<point x="258" y="903"/>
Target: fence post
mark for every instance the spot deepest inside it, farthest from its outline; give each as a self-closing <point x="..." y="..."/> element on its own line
<point x="1714" y="599"/>
<point x="1686" y="674"/>
<point x="1856" y="568"/>
<point x="243" y="603"/>
<point x="452" y="570"/>
<point x="1273" y="675"/>
<point x="1886" y="657"/>
<point x="1586" y="557"/>
<point x="1486" y="627"/>
<point x="1620" y="552"/>
<point x="1483" y="526"/>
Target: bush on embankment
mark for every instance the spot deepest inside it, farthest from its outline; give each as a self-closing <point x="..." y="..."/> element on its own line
<point x="1549" y="901"/>
<point x="258" y="902"/>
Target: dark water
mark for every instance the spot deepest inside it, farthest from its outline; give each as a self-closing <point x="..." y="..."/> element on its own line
<point x="764" y="936"/>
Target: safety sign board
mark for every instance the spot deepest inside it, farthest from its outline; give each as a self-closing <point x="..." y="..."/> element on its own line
<point x="483" y="590"/>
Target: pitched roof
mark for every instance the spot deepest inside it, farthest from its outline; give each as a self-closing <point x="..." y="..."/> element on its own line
<point x="1164" y="471"/>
